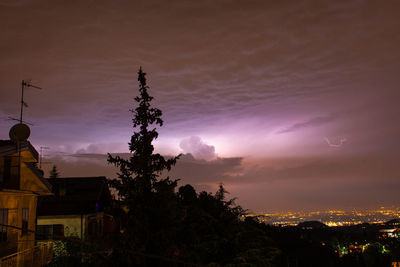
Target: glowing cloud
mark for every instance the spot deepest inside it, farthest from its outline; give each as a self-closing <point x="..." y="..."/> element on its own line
<point x="195" y="146"/>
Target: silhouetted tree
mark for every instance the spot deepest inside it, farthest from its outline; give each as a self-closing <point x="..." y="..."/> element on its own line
<point x="161" y="227"/>
<point x="146" y="203"/>
<point x="214" y="231"/>
<point x="54" y="173"/>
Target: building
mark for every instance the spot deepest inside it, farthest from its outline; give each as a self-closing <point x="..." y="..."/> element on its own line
<point x="21" y="183"/>
<point x="77" y="208"/>
<point x="389" y="233"/>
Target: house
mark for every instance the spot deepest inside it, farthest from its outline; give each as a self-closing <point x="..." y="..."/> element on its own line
<point x="21" y="183"/>
<point x="77" y="208"/>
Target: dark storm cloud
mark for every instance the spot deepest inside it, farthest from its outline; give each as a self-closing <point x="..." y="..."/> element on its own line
<point x="234" y="73"/>
<point x="274" y="183"/>
<point x="206" y="62"/>
<point x="89" y="156"/>
<point x="79" y="165"/>
<point x="198" y="171"/>
<point x="13" y="3"/>
<point x="97" y="149"/>
<point x="205" y="175"/>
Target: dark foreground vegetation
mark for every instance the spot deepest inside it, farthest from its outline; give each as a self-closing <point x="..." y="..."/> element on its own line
<point x="160" y="224"/>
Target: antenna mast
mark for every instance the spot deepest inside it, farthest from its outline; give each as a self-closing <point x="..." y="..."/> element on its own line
<point x="27" y="84"/>
<point x="41" y="155"/>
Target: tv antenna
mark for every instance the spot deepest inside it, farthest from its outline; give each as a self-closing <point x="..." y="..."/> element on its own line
<point x="24" y="104"/>
<point x="15" y="119"/>
<point x="20" y="132"/>
<point x="41" y="156"/>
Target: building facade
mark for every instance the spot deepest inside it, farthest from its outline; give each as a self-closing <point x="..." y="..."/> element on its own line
<point x="78" y="208"/>
<point x="21" y="182"/>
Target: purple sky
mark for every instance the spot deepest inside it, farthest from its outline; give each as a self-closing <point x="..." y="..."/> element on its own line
<point x="291" y="104"/>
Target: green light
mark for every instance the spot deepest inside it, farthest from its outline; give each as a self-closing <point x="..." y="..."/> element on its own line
<point x="384" y="250"/>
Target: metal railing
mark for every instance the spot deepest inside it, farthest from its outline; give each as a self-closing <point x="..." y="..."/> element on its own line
<point x="38" y="256"/>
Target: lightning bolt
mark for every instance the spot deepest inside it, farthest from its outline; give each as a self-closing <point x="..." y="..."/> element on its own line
<point x="339" y="144"/>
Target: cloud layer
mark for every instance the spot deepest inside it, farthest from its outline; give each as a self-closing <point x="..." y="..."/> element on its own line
<point x="258" y="79"/>
<point x="271" y="184"/>
<point x="280" y="67"/>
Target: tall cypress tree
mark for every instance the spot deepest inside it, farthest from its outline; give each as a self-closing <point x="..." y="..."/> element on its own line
<point x="146" y="203"/>
<point x="54" y="173"/>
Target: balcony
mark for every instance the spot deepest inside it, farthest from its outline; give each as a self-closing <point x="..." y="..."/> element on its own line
<point x="38" y="256"/>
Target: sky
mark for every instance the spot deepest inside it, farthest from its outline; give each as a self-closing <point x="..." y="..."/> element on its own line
<point x="292" y="105"/>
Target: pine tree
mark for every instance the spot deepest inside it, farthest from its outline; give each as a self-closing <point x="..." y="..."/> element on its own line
<point x="146" y="203"/>
<point x="54" y="172"/>
<point x="159" y="227"/>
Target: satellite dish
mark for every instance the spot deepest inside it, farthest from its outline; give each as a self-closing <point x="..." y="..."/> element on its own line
<point x="19" y="132"/>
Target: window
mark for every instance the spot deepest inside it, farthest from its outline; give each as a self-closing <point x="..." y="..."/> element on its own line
<point x="5" y="170"/>
<point x="9" y="173"/>
<point x="25" y="217"/>
<point x="92" y="228"/>
<point x="50" y="232"/>
<point x="3" y="224"/>
<point x="95" y="226"/>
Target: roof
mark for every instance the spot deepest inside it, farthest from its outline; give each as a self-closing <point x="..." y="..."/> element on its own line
<point x="38" y="173"/>
<point x="8" y="147"/>
<point x="75" y="195"/>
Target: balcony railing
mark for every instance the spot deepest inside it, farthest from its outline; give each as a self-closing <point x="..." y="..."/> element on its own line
<point x="38" y="256"/>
